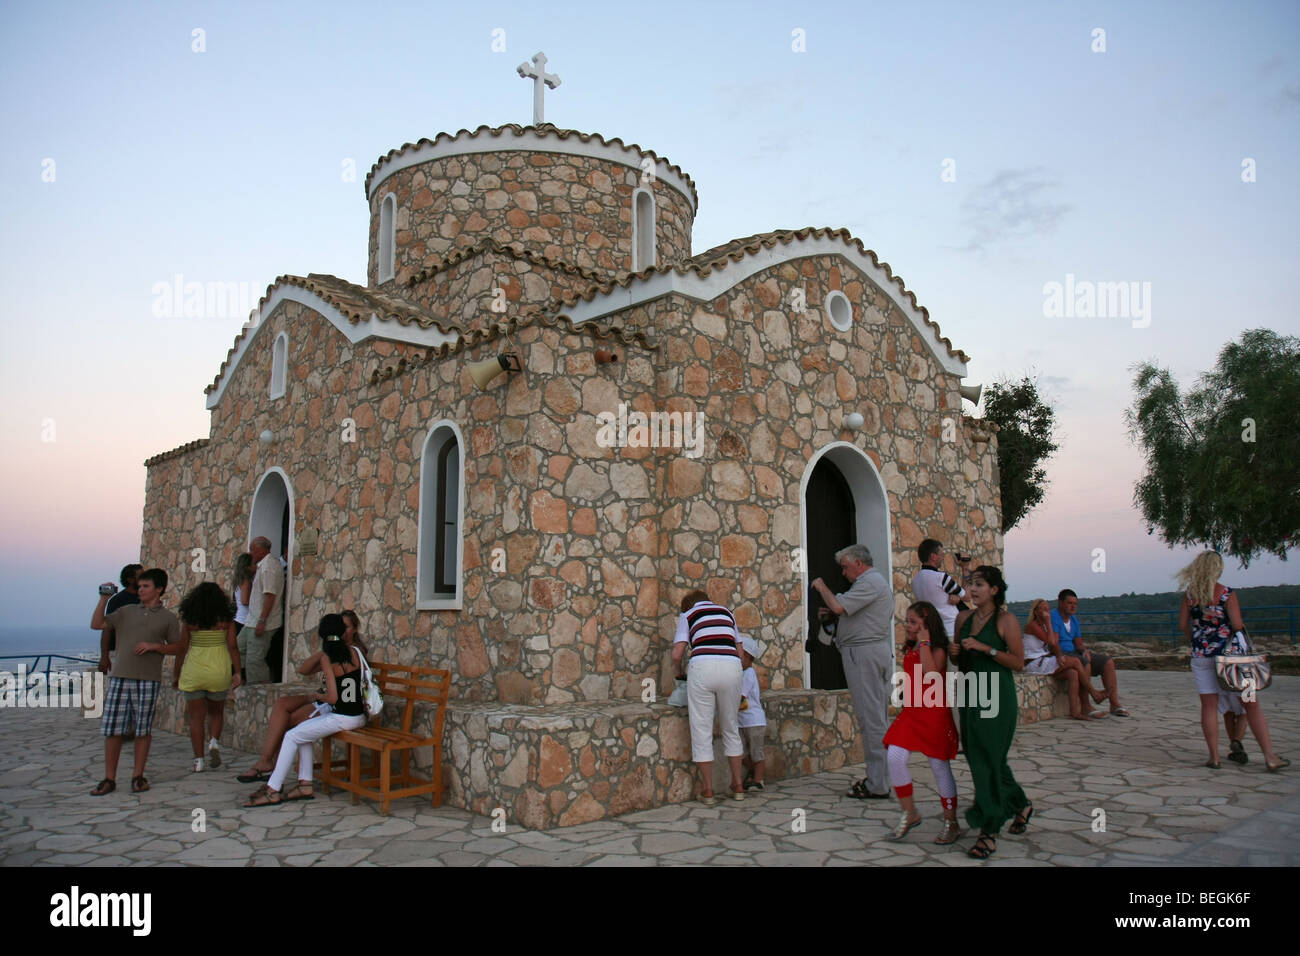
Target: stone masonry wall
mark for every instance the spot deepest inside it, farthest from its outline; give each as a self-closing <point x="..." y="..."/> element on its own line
<point x="464" y="291"/>
<point x="572" y="209"/>
<point x="599" y="543"/>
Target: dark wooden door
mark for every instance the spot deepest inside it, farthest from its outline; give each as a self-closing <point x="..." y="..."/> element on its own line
<point x="832" y="525"/>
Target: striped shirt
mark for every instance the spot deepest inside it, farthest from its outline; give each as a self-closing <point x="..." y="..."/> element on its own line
<point x="710" y="630"/>
<point x="933" y="585"/>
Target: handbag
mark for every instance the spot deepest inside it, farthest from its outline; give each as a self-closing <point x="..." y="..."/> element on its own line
<point x="370" y="696"/>
<point x="1243" y="673"/>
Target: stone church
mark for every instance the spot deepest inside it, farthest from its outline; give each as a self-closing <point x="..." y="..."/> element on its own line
<point x="533" y="531"/>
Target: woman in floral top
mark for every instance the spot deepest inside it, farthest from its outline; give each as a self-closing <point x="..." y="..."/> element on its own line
<point x="1211" y="619"/>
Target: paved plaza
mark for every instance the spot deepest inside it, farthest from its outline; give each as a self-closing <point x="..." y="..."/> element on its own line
<point x="1114" y="792"/>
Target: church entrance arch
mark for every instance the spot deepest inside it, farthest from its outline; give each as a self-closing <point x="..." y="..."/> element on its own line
<point x="272" y="517"/>
<point x="844" y="503"/>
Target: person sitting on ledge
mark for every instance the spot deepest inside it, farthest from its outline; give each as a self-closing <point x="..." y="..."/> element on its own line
<point x="292" y="709"/>
<point x="338" y="708"/>
<point x="1043" y="655"/>
<point x="1069" y="632"/>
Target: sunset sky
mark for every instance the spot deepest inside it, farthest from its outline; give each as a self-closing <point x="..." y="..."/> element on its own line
<point x="131" y="158"/>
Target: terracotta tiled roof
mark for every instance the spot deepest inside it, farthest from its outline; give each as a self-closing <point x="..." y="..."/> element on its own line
<point x="719" y="257"/>
<point x="545" y="129"/>
<point x="356" y="302"/>
<point x="531" y="315"/>
<point x="176" y="452"/>
<point x="514" y="252"/>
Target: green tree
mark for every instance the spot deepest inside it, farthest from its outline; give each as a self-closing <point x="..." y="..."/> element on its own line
<point x="1223" y="460"/>
<point x="1025" y="425"/>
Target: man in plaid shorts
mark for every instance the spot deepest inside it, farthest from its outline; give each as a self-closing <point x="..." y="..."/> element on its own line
<point x="133" y="682"/>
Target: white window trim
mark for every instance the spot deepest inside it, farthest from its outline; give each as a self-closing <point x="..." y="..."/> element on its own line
<point x="836" y="296"/>
<point x="424" y="550"/>
<point x="637" y="263"/>
<point x="387" y="232"/>
<point x="280" y="364"/>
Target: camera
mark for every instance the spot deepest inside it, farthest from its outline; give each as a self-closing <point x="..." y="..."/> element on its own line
<point x="108" y="589"/>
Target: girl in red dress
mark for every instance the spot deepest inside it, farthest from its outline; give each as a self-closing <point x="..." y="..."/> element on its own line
<point x="925" y="723"/>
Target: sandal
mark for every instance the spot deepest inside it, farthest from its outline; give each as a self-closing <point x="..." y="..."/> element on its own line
<point x="262" y="798"/>
<point x="1021" y="823"/>
<point x="707" y="798"/>
<point x="139" y="784"/>
<point x="1121" y="712"/>
<point x="107" y="785"/>
<point x="904" y="826"/>
<point x="951" y="830"/>
<point x="296" y="792"/>
<point x="1275" y="767"/>
<point x="738" y="793"/>
<point x="1214" y="765"/>
<point x="256" y="776"/>
<point x="984" y="847"/>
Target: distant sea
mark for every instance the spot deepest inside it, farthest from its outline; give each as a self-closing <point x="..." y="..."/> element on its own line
<point x="70" y="641"/>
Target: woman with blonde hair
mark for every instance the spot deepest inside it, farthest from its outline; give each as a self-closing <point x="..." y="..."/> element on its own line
<point x="1211" y="618"/>
<point x="1043" y="655"/>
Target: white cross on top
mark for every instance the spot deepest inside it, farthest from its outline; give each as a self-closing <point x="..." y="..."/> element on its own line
<point x="541" y="79"/>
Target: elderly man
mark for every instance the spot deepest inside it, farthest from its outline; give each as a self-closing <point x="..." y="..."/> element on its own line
<point x="865" y="638"/>
<point x="265" y="612"/>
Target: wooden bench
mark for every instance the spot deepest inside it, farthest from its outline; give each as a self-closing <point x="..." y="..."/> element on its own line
<point x="407" y="686"/>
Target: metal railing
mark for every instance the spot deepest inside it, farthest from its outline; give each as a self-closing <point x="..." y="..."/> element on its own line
<point x="1273" y="620"/>
<point x="87" y="663"/>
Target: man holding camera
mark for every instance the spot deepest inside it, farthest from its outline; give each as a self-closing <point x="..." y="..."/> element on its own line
<point x="128" y="595"/>
<point x="935" y="585"/>
<point x="265" y="612"/>
<point x="865" y="638"/>
<point x="136" y="675"/>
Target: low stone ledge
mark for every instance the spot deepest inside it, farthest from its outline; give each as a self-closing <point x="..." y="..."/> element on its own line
<point x="565" y="764"/>
<point x="573" y="763"/>
<point x="1041" y="697"/>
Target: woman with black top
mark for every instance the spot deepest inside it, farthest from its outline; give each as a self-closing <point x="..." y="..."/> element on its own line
<point x="338" y="708"/>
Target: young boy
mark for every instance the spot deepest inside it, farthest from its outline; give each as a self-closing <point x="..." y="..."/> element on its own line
<point x="137" y="672"/>
<point x="753" y="722"/>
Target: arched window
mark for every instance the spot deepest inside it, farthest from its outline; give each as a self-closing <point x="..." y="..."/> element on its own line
<point x="439" y="557"/>
<point x="279" y="365"/>
<point x="387" y="236"/>
<point x="643" y="230"/>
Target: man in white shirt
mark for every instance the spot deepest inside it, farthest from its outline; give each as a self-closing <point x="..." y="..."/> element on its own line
<point x="265" y="612"/>
<point x="934" y="585"/>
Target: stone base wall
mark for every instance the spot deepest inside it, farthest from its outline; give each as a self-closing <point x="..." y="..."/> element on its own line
<point x="562" y="765"/>
<point x="1041" y="698"/>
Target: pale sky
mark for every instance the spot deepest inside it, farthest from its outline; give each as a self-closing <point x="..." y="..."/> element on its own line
<point x="130" y="158"/>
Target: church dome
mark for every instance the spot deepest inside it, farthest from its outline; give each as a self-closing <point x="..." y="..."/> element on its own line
<point x="571" y="197"/>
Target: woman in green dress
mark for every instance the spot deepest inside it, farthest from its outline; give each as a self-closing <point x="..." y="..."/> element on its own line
<point x="989" y="646"/>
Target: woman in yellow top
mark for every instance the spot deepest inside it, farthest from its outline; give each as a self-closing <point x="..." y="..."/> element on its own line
<point x="207" y="667"/>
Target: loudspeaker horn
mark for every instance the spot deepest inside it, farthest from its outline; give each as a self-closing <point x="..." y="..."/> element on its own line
<point x="971" y="393"/>
<point x="485" y="371"/>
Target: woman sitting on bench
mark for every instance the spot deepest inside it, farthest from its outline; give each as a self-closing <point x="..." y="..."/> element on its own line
<point x="338" y="708"/>
<point x="292" y="709"/>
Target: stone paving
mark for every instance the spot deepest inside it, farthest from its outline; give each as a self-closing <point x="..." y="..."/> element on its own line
<point x="1161" y="807"/>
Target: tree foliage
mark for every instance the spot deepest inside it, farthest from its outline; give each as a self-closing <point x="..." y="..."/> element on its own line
<point x="1025" y="426"/>
<point x="1223" y="460"/>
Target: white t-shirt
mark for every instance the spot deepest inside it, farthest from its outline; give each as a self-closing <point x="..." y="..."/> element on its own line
<point x="933" y="585"/>
<point x="751" y="716"/>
